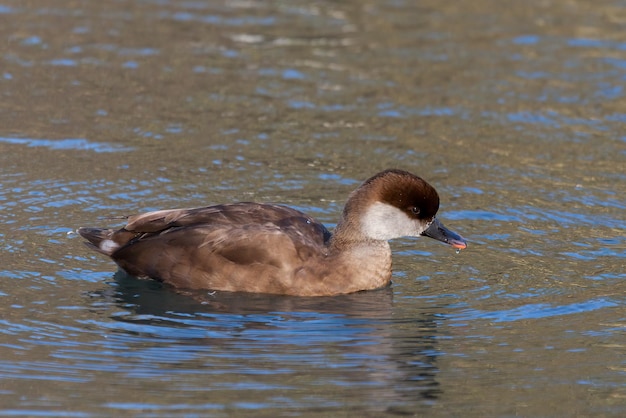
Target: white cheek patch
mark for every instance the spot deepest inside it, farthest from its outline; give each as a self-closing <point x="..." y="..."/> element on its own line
<point x="108" y="246"/>
<point x="384" y="222"/>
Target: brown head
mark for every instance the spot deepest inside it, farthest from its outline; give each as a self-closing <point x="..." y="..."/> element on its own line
<point x="392" y="204"/>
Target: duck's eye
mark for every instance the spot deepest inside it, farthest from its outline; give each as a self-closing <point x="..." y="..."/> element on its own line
<point x="415" y="210"/>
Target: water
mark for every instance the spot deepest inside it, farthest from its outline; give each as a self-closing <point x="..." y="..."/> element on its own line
<point x="514" y="111"/>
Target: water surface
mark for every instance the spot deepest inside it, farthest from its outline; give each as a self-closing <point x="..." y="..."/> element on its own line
<point x="513" y="111"/>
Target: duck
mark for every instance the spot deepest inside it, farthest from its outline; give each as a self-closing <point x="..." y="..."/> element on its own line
<point x="275" y="249"/>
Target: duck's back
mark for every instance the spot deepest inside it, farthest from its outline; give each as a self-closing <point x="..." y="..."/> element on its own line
<point x="248" y="247"/>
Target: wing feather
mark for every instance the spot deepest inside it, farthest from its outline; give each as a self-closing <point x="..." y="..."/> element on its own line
<point x="223" y="246"/>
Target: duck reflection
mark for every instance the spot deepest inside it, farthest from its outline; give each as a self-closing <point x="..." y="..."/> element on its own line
<point x="348" y="346"/>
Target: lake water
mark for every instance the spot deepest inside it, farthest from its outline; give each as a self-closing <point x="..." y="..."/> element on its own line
<point x="514" y="111"/>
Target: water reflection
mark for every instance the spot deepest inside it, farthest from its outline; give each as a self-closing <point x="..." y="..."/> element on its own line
<point x="66" y="144"/>
<point x="514" y="110"/>
<point x="346" y="344"/>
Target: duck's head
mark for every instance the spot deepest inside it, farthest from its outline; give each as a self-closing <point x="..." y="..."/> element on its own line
<point x="394" y="204"/>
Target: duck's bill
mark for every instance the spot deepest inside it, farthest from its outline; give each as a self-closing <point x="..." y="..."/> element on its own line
<point x="437" y="231"/>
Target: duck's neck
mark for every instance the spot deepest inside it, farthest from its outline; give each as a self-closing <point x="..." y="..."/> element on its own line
<point x="349" y="232"/>
<point x="348" y="235"/>
<point x="361" y="264"/>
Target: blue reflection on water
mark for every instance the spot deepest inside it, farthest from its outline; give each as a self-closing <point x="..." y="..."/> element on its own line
<point x="63" y="62"/>
<point x="292" y="74"/>
<point x="526" y="40"/>
<point x="536" y="311"/>
<point x="64" y="144"/>
<point x="220" y="20"/>
<point x="525" y="214"/>
<point x="32" y="40"/>
<point x="391" y="110"/>
<point x="597" y="43"/>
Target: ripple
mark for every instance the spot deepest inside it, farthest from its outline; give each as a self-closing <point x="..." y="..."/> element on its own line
<point x="536" y="311"/>
<point x="66" y="144"/>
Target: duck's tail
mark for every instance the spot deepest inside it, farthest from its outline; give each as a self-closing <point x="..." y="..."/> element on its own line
<point x="99" y="239"/>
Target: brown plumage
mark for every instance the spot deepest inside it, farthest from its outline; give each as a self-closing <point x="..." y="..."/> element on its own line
<point x="266" y="248"/>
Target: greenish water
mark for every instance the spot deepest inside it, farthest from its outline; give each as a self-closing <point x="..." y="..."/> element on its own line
<point x="514" y="111"/>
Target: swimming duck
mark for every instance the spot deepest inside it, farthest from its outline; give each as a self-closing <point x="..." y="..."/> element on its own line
<point x="268" y="248"/>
